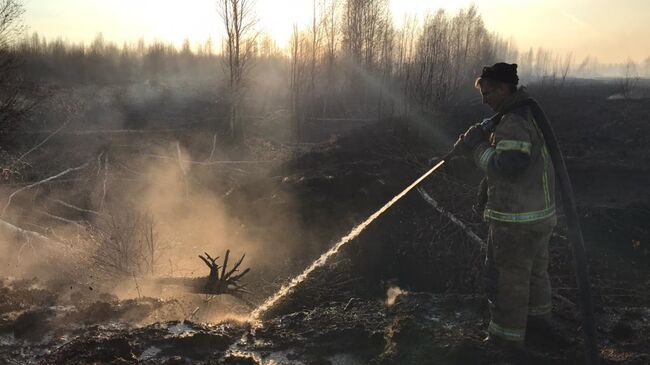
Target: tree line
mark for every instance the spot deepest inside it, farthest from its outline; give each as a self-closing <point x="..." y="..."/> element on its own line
<point x="353" y="61"/>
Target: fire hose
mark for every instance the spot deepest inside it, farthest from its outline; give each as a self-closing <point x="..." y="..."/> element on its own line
<point x="574" y="233"/>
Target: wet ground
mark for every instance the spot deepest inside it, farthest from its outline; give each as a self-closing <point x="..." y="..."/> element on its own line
<point x="407" y="291"/>
<point x="413" y="328"/>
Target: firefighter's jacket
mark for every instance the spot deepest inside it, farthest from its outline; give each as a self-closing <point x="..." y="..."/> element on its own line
<point x="519" y="171"/>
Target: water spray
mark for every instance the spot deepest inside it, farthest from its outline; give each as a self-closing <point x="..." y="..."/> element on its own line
<point x="287" y="288"/>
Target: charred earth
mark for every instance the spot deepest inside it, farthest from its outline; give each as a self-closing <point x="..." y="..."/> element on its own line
<point x="408" y="290"/>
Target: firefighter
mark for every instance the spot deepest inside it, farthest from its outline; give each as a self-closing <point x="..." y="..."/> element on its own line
<point x="519" y="207"/>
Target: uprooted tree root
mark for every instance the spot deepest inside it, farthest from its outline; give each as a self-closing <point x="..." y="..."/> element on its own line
<point x="220" y="281"/>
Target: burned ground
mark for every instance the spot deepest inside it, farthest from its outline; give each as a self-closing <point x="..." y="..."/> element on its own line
<point x="408" y="290"/>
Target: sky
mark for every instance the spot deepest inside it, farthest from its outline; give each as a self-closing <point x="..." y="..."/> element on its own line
<point x="596" y="28"/>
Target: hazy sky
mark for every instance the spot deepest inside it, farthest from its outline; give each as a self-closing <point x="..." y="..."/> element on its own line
<point x="609" y="30"/>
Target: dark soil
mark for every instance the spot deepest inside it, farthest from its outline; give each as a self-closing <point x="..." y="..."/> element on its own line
<point x="342" y="314"/>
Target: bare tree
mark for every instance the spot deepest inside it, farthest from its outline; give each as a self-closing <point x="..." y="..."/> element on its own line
<point x="405" y="59"/>
<point x="330" y="25"/>
<point x="449" y="50"/>
<point x="316" y="38"/>
<point x="267" y="47"/>
<point x="582" y="68"/>
<point x="566" y="67"/>
<point x="433" y="60"/>
<point x="363" y="25"/>
<point x="386" y="62"/>
<point x="542" y="64"/>
<point x="12" y="102"/>
<point x="630" y="79"/>
<point x="125" y="244"/>
<point x="526" y="64"/>
<point x="299" y="61"/>
<point x="240" y="22"/>
<point x="11" y="12"/>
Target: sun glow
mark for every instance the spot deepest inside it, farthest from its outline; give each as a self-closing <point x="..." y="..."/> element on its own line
<point x="577" y="27"/>
<point x="171" y="21"/>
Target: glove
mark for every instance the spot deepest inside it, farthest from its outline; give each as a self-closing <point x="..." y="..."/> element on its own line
<point x="473" y="137"/>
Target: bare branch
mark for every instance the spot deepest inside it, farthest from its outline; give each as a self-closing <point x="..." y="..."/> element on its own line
<point x="105" y="183"/>
<point x="452" y="218"/>
<point x="62" y="219"/>
<point x="62" y="173"/>
<point x="214" y="147"/>
<point x="82" y="210"/>
<point x="42" y="142"/>
<point x="234" y="268"/>
<point x="225" y="264"/>
<point x="182" y="169"/>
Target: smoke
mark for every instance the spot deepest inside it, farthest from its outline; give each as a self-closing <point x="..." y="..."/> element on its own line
<point x="191" y="218"/>
<point x="148" y="203"/>
<point x="146" y="217"/>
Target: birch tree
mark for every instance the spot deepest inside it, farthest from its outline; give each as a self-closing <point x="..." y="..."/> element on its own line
<point x="239" y="21"/>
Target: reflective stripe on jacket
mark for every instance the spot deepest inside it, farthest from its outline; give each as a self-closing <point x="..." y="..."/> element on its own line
<point x="529" y="195"/>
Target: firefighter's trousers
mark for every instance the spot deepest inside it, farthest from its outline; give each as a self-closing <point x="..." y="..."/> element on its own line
<point x="517" y="282"/>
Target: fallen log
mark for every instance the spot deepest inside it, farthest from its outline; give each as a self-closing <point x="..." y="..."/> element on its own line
<point x="24" y="237"/>
<point x="41" y="255"/>
<point x="473" y="236"/>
